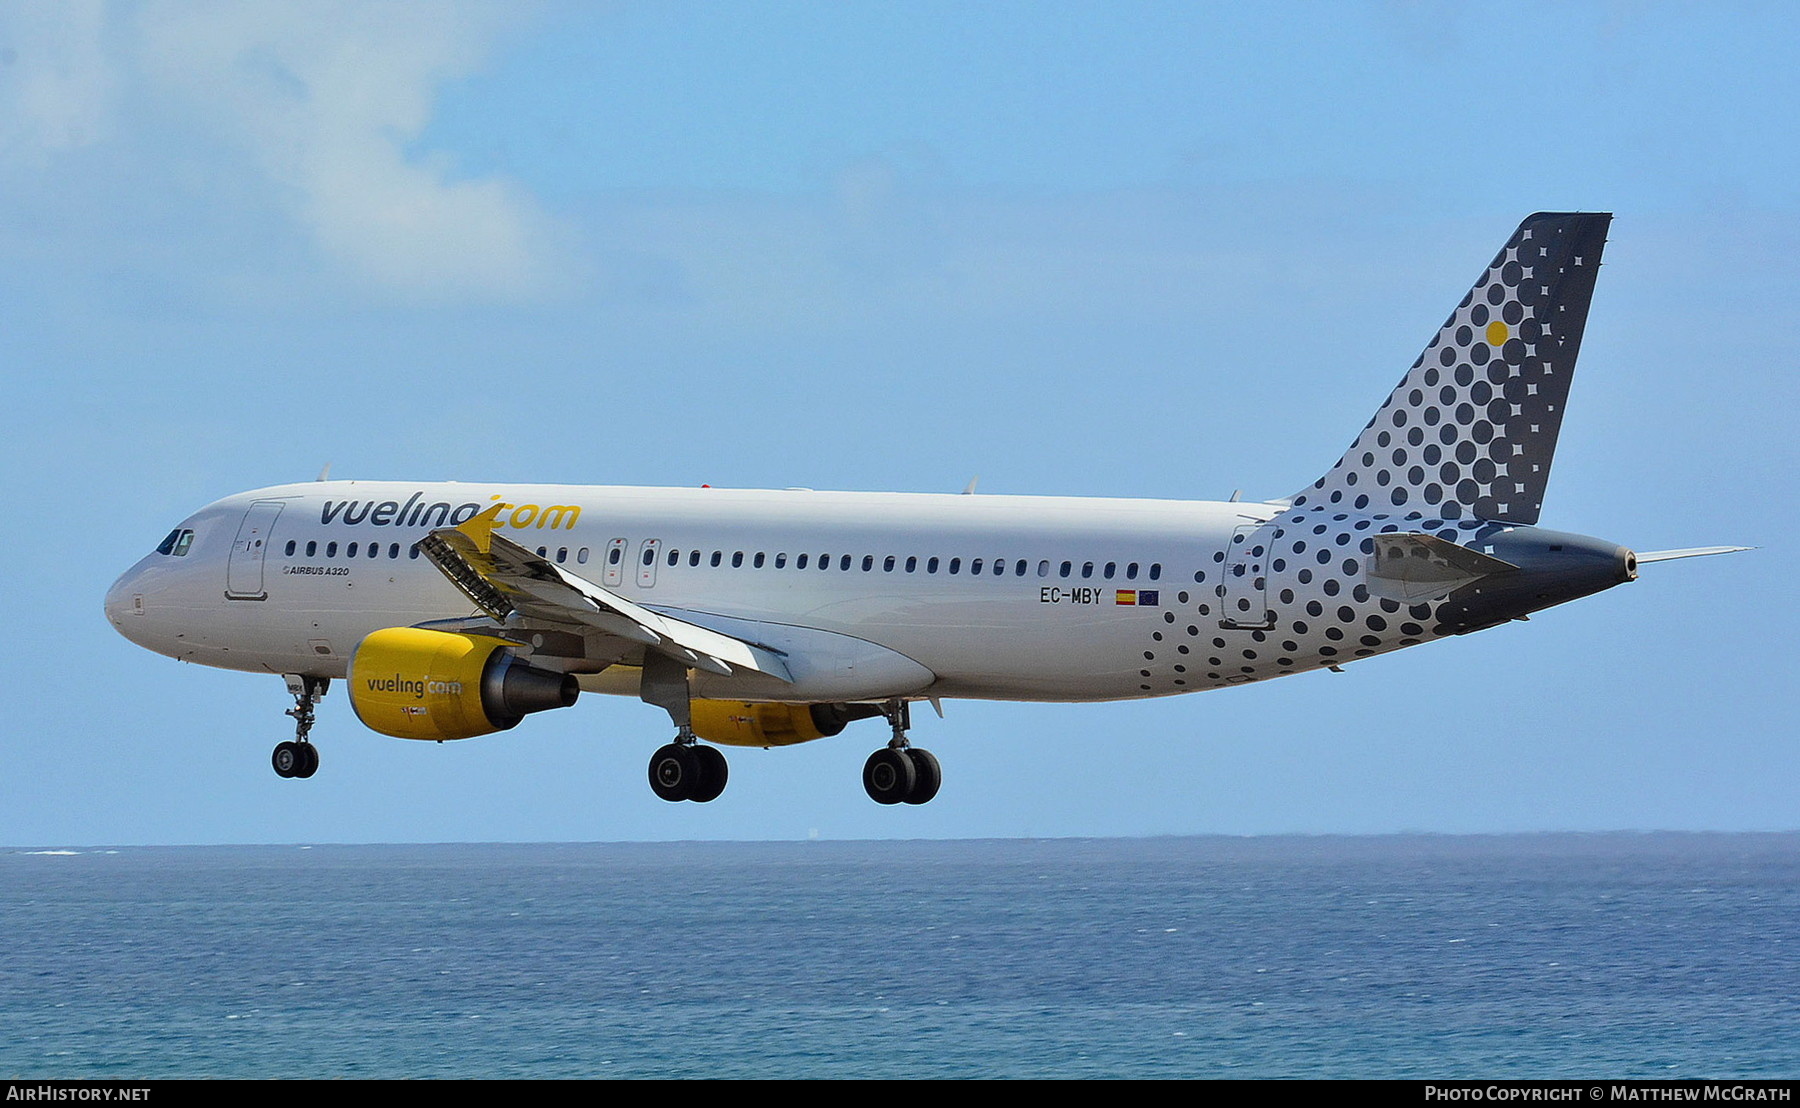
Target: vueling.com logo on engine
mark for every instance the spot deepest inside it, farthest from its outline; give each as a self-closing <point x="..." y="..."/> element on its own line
<point x="417" y="686"/>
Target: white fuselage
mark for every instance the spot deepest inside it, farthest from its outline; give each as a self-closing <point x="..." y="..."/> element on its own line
<point x="867" y="596"/>
<point x="1039" y="598"/>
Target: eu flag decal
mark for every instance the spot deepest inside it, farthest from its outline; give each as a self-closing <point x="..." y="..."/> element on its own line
<point x="1135" y="598"/>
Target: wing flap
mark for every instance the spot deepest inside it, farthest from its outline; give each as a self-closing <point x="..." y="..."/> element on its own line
<point x="503" y="578"/>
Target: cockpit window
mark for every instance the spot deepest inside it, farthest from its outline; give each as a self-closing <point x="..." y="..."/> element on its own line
<point x="176" y="545"/>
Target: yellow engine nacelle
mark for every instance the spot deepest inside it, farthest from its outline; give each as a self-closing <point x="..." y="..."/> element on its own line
<point x="417" y="684"/>
<point x="739" y="723"/>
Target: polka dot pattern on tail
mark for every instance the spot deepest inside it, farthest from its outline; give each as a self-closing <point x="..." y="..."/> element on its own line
<point x="1471" y="430"/>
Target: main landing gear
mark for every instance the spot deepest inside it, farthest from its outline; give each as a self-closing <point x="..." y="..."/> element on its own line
<point x="685" y="770"/>
<point x="300" y="758"/>
<point x="682" y="770"/>
<point x="900" y="773"/>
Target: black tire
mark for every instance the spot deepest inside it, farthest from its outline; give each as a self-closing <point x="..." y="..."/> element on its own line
<point x="288" y="759"/>
<point x="714" y="772"/>
<point x="309" y="760"/>
<point x="929" y="775"/>
<point x="674" y="771"/>
<point x="888" y="776"/>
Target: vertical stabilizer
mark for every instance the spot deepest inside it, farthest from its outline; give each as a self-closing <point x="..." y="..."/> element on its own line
<point x="1472" y="428"/>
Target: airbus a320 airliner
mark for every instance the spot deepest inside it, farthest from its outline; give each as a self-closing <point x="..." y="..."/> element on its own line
<point x="764" y="618"/>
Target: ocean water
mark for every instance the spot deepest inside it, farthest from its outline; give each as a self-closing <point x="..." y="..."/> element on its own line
<point x="1649" y="956"/>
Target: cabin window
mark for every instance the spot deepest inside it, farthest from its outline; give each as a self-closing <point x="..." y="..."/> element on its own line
<point x="1019" y="569"/>
<point x="931" y="566"/>
<point x="844" y="564"/>
<point x="912" y="562"/>
<point x="868" y="562"/>
<point x="615" y="555"/>
<point x="693" y="558"/>
<point x="393" y="550"/>
<point x="887" y="564"/>
<point x="674" y="557"/>
<point x="781" y="561"/>
<point x="350" y="551"/>
<point x="974" y="567"/>
<point x="1043" y="569"/>
<point x="1087" y="569"/>
<point x="956" y="566"/>
<point x="1066" y="568"/>
<point x="758" y="560"/>
<point x="312" y="547"/>
<point x="374" y="550"/>
<point x="716" y="558"/>
<point x="1156" y="571"/>
<point x="581" y="556"/>
<point x="414" y="551"/>
<point x="800" y="562"/>
<point x="1131" y="572"/>
<point x="649" y="555"/>
<point x="1108" y="571"/>
<point x="562" y="554"/>
<point x="737" y="560"/>
<point x="331" y="550"/>
<point x="290" y="548"/>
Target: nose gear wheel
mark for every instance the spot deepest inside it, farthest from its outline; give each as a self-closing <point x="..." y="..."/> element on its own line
<point x="300" y="758"/>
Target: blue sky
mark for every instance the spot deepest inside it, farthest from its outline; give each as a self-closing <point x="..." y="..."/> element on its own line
<point x="1164" y="250"/>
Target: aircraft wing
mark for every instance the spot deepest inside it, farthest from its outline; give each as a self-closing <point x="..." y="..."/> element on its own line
<point x="504" y="578"/>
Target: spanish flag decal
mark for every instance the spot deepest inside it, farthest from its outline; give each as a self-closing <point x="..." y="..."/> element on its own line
<point x="1135" y="598"/>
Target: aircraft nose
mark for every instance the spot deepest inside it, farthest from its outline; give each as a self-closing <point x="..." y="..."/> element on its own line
<point x="123" y="599"/>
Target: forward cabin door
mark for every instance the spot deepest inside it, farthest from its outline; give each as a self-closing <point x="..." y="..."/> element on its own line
<point x="244" y="570"/>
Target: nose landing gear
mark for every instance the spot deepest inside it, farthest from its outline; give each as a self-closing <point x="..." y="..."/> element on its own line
<point x="300" y="758"/>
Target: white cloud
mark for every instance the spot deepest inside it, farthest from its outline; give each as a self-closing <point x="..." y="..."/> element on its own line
<point x="55" y="82"/>
<point x="320" y="102"/>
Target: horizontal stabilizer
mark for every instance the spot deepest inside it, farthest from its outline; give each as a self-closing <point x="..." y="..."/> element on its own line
<point x="1412" y="567"/>
<point x="1690" y="552"/>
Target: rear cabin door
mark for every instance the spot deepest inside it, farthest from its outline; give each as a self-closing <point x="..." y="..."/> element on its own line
<point x="1246" y="604"/>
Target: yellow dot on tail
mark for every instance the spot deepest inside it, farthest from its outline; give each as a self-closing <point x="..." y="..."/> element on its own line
<point x="1497" y="334"/>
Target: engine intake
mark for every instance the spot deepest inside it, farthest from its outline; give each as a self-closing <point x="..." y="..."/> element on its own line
<point x="413" y="683"/>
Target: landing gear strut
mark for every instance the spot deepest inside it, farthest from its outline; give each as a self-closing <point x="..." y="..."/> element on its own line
<point x="900" y="773"/>
<point x="682" y="770"/>
<point x="300" y="758"/>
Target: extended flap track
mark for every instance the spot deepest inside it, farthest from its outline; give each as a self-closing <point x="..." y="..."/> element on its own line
<point x="465" y="577"/>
